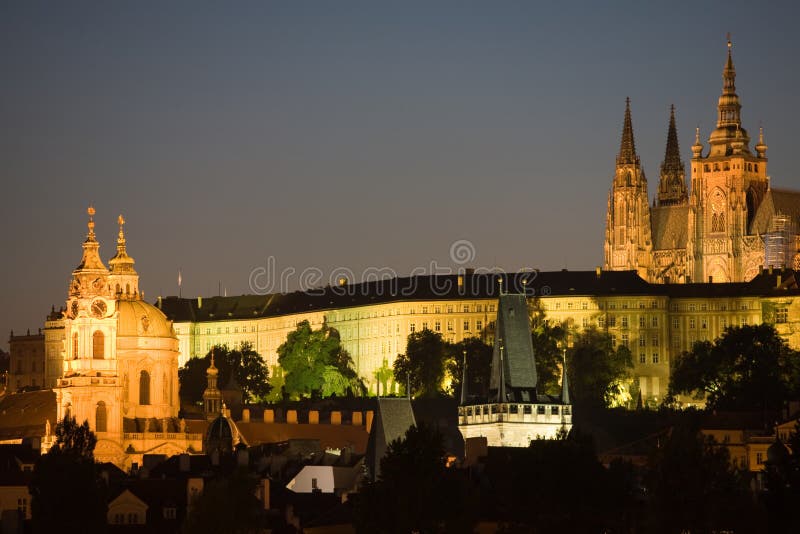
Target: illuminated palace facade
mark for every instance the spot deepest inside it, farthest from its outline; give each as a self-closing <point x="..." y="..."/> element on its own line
<point x="725" y="228"/>
<point x="656" y="321"/>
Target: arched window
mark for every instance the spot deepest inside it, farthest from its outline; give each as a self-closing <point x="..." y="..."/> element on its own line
<point x="118" y="290"/>
<point x="98" y="345"/>
<point x="75" y="346"/>
<point x="100" y="417"/>
<point x="721" y="222"/>
<point x="127" y="289"/>
<point x="144" y="388"/>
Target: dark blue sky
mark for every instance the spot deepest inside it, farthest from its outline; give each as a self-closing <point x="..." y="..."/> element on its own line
<point x="339" y="134"/>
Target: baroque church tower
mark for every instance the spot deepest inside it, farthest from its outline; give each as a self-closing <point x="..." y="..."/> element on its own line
<point x="628" y="243"/>
<point x="120" y="360"/>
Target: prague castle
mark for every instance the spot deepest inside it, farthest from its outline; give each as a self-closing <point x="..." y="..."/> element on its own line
<point x="726" y="227"/>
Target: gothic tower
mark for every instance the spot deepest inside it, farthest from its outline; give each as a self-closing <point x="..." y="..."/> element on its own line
<point x="672" y="184"/>
<point x="628" y="244"/>
<point x="728" y="184"/>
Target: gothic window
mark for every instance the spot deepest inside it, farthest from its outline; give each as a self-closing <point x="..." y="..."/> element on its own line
<point x="721" y="222"/>
<point x="144" y="388"/>
<point x="100" y="417"/>
<point x="75" y="346"/>
<point x="98" y="345"/>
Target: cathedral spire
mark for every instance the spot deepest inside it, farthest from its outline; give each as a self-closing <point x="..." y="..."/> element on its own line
<point x="672" y="187"/>
<point x="672" y="156"/>
<point x="729" y="137"/>
<point x="627" y="148"/>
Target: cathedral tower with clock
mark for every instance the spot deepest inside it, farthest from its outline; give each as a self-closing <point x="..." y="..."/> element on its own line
<point x="729" y="224"/>
<point x="120" y="360"/>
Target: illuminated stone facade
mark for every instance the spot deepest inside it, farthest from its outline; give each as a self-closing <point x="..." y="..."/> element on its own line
<point x="26" y="361"/>
<point x="656" y="321"/>
<point x="119" y="361"/>
<point x="725" y="228"/>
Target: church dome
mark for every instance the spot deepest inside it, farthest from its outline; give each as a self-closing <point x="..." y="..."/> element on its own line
<point x="220" y="435"/>
<point x="137" y="318"/>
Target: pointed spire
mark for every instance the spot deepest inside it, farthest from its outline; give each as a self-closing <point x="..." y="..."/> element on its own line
<point x="564" y="381"/>
<point x="121" y="263"/>
<point x="464" y="392"/>
<point x="627" y="148"/>
<point x="761" y="147"/>
<point x="697" y="147"/>
<point x="90" y="236"/>
<point x="501" y="390"/>
<point x="729" y="107"/>
<point x="672" y="187"/>
<point x="672" y="156"/>
<point x="90" y="261"/>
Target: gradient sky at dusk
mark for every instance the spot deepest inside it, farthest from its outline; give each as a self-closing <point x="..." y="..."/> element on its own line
<point x="341" y="134"/>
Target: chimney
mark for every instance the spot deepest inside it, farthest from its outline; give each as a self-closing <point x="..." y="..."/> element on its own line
<point x="199" y="302"/>
<point x="598" y="271"/>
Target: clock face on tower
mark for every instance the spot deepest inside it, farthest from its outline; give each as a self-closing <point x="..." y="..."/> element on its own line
<point x="99" y="308"/>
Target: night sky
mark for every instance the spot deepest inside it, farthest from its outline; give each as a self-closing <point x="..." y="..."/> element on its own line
<point x="351" y="135"/>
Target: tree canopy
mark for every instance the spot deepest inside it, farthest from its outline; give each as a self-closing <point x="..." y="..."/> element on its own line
<point x="415" y="491"/>
<point x="747" y="368"/>
<point x="315" y="363"/>
<point x="67" y="493"/>
<point x="422" y="367"/>
<point x="246" y="366"/>
<point x="693" y="487"/>
<point x="479" y="364"/>
<point x="596" y="370"/>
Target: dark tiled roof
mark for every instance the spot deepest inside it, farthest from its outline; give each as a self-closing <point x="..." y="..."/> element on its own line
<point x="394" y="416"/>
<point x="669" y="226"/>
<point x="329" y="436"/>
<point x="24" y="415"/>
<point x="513" y="336"/>
<point x="417" y="288"/>
<point x="447" y="287"/>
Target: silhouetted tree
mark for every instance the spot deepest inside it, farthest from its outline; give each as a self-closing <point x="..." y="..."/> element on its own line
<point x="415" y="491"/>
<point x="422" y="367"/>
<point x="693" y="487"/>
<point x="67" y="493"/>
<point x="479" y="364"/>
<point x="782" y="484"/>
<point x="228" y="504"/>
<point x="245" y="364"/>
<point x="747" y="368"/>
<point x="596" y="370"/>
<point x="548" y="342"/>
<point x="553" y="486"/>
